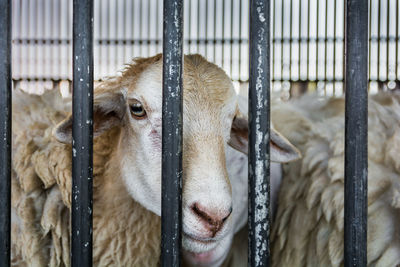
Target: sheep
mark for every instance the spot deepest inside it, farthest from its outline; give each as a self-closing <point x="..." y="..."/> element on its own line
<point x="308" y="228"/>
<point x="127" y="169"/>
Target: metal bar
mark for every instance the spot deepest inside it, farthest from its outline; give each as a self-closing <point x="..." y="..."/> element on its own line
<point x="240" y="36"/>
<point x="317" y="48"/>
<point x="5" y="131"/>
<point x="108" y="31"/>
<point x="149" y="19"/>
<point x="300" y="43"/>
<point x="326" y="45"/>
<point x="231" y="37"/>
<point x="379" y="41"/>
<point x="205" y="31"/>
<point x="171" y="213"/>
<point x="223" y="34"/>
<point x="273" y="40"/>
<point x="190" y="26"/>
<point x="356" y="130"/>
<point x="397" y="40"/>
<point x="387" y="38"/>
<point x="259" y="134"/>
<point x="370" y="41"/>
<point x="334" y="47"/>
<point x="291" y="39"/>
<point x="157" y="24"/>
<point x="282" y="31"/>
<point x="308" y="40"/>
<point x="140" y="25"/>
<point x="215" y="30"/>
<point x="82" y="133"/>
<point x="198" y="26"/>
<point x="124" y="24"/>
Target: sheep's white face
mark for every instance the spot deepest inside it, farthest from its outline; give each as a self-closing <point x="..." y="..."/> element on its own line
<point x="207" y="199"/>
<point x="134" y="103"/>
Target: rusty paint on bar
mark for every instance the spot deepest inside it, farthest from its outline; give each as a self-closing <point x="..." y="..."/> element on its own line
<point x="82" y="134"/>
<point x="5" y="131"/>
<point x="259" y="134"/>
<point x="171" y="203"/>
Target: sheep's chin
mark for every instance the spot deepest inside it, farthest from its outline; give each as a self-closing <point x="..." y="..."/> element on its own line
<point x="198" y="253"/>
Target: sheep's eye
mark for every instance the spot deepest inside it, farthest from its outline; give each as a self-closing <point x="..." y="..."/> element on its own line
<point x="137" y="110"/>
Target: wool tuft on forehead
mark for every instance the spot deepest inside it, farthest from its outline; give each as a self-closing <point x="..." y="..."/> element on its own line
<point x="206" y="80"/>
<point x="199" y="75"/>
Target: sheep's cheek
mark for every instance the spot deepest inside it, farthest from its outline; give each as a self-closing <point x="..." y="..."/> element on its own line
<point x="155" y="139"/>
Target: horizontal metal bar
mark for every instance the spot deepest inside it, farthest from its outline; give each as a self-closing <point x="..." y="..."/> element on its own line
<point x="82" y="131"/>
<point x="186" y="41"/>
<point x="5" y="131"/>
<point x="259" y="134"/>
<point x="373" y="38"/>
<point x="171" y="213"/>
<point x="327" y="80"/>
<point x="29" y="41"/>
<point x="356" y="133"/>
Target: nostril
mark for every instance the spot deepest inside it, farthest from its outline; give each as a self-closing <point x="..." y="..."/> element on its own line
<point x="200" y="212"/>
<point x="228" y="214"/>
<point x="213" y="217"/>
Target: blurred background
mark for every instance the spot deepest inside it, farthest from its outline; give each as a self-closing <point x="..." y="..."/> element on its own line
<point x="306" y="52"/>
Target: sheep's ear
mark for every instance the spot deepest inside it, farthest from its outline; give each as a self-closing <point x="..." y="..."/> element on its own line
<point x="281" y="149"/>
<point x="108" y="111"/>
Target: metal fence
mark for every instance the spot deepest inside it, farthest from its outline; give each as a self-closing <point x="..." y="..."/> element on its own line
<point x="261" y="72"/>
<point x="307" y="36"/>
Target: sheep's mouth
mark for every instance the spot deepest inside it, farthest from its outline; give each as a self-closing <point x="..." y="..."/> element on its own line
<point x="205" y="241"/>
<point x="197" y="245"/>
<point x="202" y="252"/>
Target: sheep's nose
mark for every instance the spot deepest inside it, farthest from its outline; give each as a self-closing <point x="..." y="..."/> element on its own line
<point x="213" y="219"/>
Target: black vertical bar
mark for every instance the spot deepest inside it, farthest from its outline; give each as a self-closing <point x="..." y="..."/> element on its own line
<point x="397" y="39"/>
<point x="240" y="41"/>
<point x="379" y="41"/>
<point x="206" y="31"/>
<point x="326" y="45"/>
<point x="5" y="131"/>
<point x="317" y="48"/>
<point x="334" y="48"/>
<point x="300" y="42"/>
<point x="124" y="24"/>
<point x="190" y="27"/>
<point x="115" y="30"/>
<point x="149" y="20"/>
<point x="387" y="38"/>
<point x="344" y="49"/>
<point x="259" y="134"/>
<point x="198" y="27"/>
<point x="282" y="31"/>
<point x="132" y="26"/>
<point x="171" y="213"/>
<point x="82" y="133"/>
<point x="140" y="27"/>
<point x="108" y="31"/>
<point x="370" y="41"/>
<point x="273" y="42"/>
<point x="356" y="129"/>
<point x="214" y="32"/>
<point x="231" y="41"/>
<point x="291" y="39"/>
<point x="308" y="40"/>
<point x="223" y="35"/>
<point x="157" y="25"/>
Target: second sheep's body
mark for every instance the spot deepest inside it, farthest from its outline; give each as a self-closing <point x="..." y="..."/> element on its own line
<point x="308" y="228"/>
